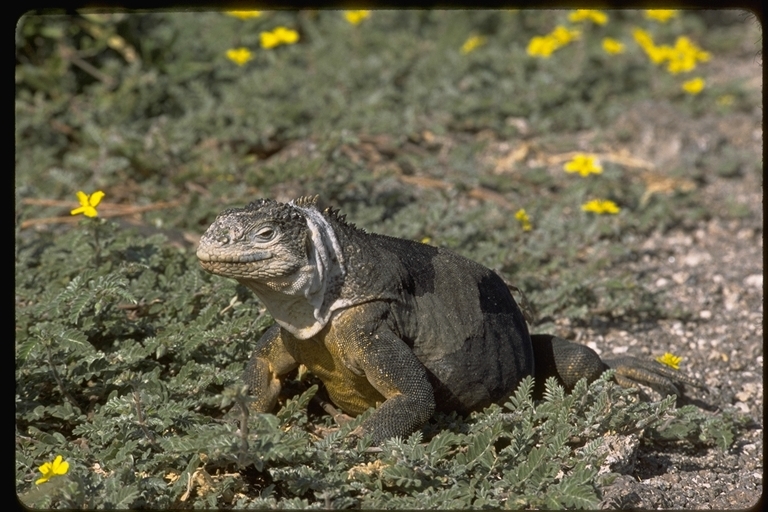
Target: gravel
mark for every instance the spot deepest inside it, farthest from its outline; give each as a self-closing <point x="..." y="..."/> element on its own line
<point x="713" y="270"/>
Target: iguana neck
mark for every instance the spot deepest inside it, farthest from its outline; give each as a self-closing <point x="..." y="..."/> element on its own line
<point x="304" y="304"/>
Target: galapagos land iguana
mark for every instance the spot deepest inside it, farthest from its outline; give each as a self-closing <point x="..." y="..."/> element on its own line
<point x="389" y="323"/>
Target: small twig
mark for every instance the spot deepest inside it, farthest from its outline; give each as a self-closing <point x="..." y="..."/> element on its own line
<point x="140" y="419"/>
<point x="244" y="413"/>
<point x="421" y="181"/>
<point x="48" y="220"/>
<point x="481" y="193"/>
<point x="184" y="497"/>
<point x="621" y="159"/>
<point x="113" y="208"/>
<point x="106" y="210"/>
<point x="484" y="194"/>
<point x="57" y="377"/>
<point x="70" y="54"/>
<point x="339" y="417"/>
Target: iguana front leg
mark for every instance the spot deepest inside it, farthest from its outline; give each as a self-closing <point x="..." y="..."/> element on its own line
<point x="269" y="362"/>
<point x="391" y="367"/>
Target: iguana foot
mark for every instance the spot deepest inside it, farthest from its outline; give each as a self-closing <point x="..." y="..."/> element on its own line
<point x="631" y="371"/>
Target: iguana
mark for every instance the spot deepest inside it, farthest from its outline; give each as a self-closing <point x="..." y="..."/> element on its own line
<point x="389" y="323"/>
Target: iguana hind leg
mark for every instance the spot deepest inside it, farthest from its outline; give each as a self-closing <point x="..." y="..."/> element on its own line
<point x="631" y="371"/>
<point x="568" y="362"/>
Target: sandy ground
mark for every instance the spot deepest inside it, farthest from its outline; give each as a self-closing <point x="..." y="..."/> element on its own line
<point x="713" y="269"/>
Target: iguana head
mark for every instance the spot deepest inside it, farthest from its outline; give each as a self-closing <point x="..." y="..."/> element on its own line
<point x="287" y="253"/>
<point x="265" y="241"/>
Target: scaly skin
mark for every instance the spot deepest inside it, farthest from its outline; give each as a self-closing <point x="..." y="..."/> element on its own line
<point x="404" y="327"/>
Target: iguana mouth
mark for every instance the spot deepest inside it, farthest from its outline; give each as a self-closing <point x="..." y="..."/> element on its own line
<point x="250" y="257"/>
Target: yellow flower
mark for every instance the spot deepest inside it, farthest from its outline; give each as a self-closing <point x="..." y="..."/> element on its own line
<point x="681" y="64"/>
<point x="642" y="37"/>
<point x="593" y="15"/>
<point x="239" y="55"/>
<point x="544" y="46"/>
<point x="541" y="46"/>
<point x="525" y="220"/>
<point x="684" y="55"/>
<point x="269" y="40"/>
<point x="670" y="360"/>
<point x="660" y="15"/>
<point x="471" y="44"/>
<point x="601" y="206"/>
<point x="658" y="54"/>
<point x="583" y="164"/>
<point x="564" y="36"/>
<point x="244" y="15"/>
<point x="355" y="17"/>
<point x="725" y="100"/>
<point x="51" y="469"/>
<point x="88" y="203"/>
<point x="694" y="86"/>
<point x="680" y="58"/>
<point x="278" y="36"/>
<point x="612" y="46"/>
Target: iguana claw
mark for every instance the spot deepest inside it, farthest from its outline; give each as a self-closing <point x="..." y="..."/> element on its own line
<point x="631" y="371"/>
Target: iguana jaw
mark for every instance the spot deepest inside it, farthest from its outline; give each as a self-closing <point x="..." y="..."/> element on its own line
<point x="236" y="266"/>
<point x="208" y="258"/>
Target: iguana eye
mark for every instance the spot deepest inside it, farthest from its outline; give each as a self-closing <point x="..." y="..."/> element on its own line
<point x="266" y="233"/>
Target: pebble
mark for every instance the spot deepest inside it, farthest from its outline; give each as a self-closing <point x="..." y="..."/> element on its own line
<point x="754" y="280"/>
<point x="743" y="396"/>
<point x="593" y="346"/>
<point x="693" y="259"/>
<point x="742" y="407"/>
<point x="705" y="314"/>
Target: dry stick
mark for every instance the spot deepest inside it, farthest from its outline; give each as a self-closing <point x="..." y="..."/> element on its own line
<point x="140" y="419"/>
<point x="244" y="413"/>
<point x="70" y="54"/>
<point x="57" y="378"/>
<point x="339" y="417"/>
<point x="48" y="220"/>
<point x="117" y="210"/>
<point x="617" y="158"/>
<point x="481" y="193"/>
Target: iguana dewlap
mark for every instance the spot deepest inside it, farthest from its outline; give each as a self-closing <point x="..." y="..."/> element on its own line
<point x="398" y="325"/>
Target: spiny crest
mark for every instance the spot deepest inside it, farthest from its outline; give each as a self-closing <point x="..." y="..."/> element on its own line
<point x="270" y="208"/>
<point x="335" y="214"/>
<point x="306" y="201"/>
<point x="287" y="211"/>
<point x="340" y="218"/>
<point x="330" y="212"/>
